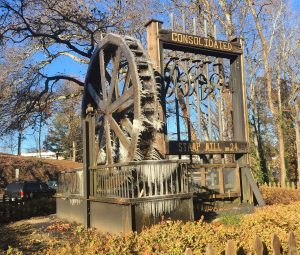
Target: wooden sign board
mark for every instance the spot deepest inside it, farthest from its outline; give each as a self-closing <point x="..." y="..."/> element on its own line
<point x="204" y="45"/>
<point x="196" y="148"/>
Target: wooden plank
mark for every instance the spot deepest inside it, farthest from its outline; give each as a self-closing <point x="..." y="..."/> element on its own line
<point x="126" y="123"/>
<point x="203" y="179"/>
<point x="230" y="248"/>
<point x="127" y="81"/>
<point x="254" y="187"/>
<point x="292" y="244"/>
<point x="121" y="100"/>
<point x="118" y="131"/>
<point x="210" y="250"/>
<point x="200" y="45"/>
<point x="95" y="97"/>
<point x="258" y="246"/>
<point x="238" y="179"/>
<point x="213" y="165"/>
<point x="108" y="141"/>
<point x="188" y="251"/>
<point x="276" y="246"/>
<point x="114" y="77"/>
<point x="102" y="75"/>
<point x="221" y="180"/>
<point x="155" y="54"/>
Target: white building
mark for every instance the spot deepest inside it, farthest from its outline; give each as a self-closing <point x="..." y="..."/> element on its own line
<point x="43" y="154"/>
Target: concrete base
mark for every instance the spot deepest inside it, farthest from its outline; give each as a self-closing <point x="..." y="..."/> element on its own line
<point x="70" y="209"/>
<point x="115" y="218"/>
<point x="111" y="218"/>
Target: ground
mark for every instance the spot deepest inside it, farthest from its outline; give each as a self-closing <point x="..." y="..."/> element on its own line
<point x="27" y="235"/>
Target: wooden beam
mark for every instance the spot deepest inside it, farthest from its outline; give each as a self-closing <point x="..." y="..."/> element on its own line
<point x="155" y="53"/>
<point x="221" y="181"/>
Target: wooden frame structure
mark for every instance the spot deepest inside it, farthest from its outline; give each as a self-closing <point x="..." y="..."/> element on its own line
<point x="124" y="189"/>
<point x="159" y="40"/>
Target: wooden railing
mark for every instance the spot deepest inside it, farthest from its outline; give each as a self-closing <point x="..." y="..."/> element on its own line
<point x="140" y="179"/>
<point x="70" y="183"/>
<point x="258" y="247"/>
<point x="217" y="179"/>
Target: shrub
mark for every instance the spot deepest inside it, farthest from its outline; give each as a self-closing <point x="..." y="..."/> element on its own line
<point x="276" y="195"/>
<point x="173" y="237"/>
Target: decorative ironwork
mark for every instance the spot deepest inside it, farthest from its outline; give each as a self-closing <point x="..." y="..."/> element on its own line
<point x="189" y="76"/>
<point x="197" y="94"/>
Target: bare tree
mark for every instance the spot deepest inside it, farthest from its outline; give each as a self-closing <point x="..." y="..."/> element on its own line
<point x="37" y="34"/>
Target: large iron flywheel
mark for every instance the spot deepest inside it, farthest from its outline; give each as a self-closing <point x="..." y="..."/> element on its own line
<point x="121" y="89"/>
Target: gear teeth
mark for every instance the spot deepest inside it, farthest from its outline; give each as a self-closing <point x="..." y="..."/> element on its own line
<point x="133" y="45"/>
<point x="148" y="123"/>
<point x="137" y="52"/>
<point x="143" y="65"/>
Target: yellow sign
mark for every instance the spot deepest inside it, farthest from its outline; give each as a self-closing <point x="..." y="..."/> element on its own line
<point x="201" y="41"/>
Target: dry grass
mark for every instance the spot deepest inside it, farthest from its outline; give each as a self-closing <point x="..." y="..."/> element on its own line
<point x="32" y="168"/>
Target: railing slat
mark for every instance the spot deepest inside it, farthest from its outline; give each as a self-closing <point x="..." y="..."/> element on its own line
<point x="292" y="244"/>
<point x="210" y="250"/>
<point x="188" y="251"/>
<point x="230" y="248"/>
<point x="258" y="246"/>
<point x="276" y="246"/>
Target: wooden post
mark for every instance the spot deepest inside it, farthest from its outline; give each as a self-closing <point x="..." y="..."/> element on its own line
<point x="230" y="248"/>
<point x="292" y="244"/>
<point x="155" y="54"/>
<point x="210" y="250"/>
<point x="203" y="179"/>
<point x="88" y="126"/>
<point x="188" y="251"/>
<point x="276" y="246"/>
<point x="221" y="181"/>
<point x="258" y="246"/>
<point x="238" y="179"/>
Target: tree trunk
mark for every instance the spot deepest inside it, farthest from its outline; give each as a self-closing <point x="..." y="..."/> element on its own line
<point x="74" y="150"/>
<point x="274" y="110"/>
<point x="40" y="134"/>
<point x="260" y="153"/>
<point x="281" y="154"/>
<point x="20" y="143"/>
<point x="297" y="130"/>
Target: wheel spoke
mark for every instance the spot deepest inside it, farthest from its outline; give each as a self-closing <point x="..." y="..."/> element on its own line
<point x="126" y="123"/>
<point x="125" y="106"/>
<point x="114" y="76"/>
<point x="127" y="81"/>
<point x="102" y="74"/>
<point x="121" y="100"/>
<point x="108" y="141"/>
<point x="95" y="97"/>
<point x="119" y="133"/>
